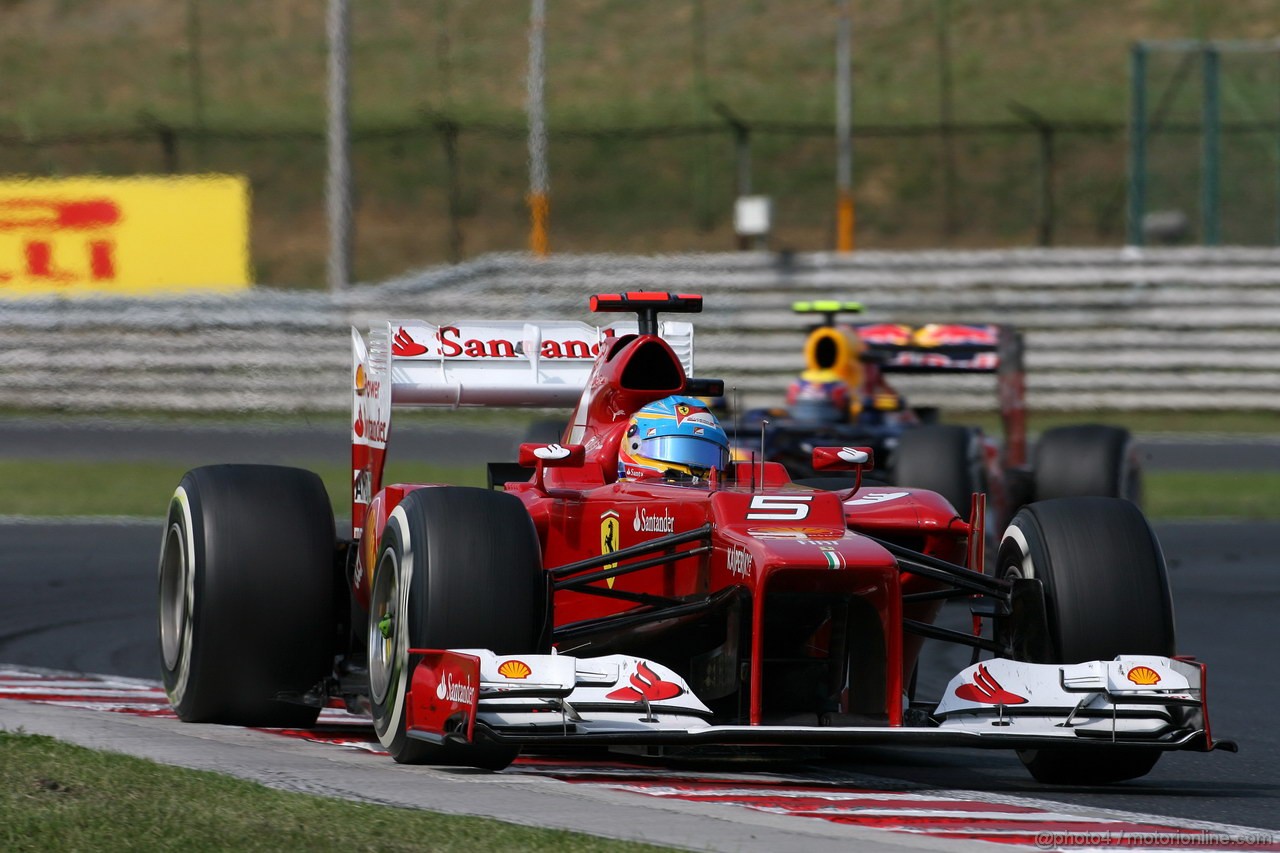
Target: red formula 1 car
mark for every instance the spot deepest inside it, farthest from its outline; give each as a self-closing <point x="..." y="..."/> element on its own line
<point x="632" y="586"/>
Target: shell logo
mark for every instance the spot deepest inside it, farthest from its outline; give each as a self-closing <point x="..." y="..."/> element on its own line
<point x="1143" y="675"/>
<point x="514" y="669"/>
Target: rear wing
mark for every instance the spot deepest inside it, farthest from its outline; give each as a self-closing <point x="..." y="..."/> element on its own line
<point x="482" y="363"/>
<point x="932" y="348"/>
<point x="959" y="348"/>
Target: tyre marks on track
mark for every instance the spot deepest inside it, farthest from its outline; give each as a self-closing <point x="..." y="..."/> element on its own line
<point x="865" y="802"/>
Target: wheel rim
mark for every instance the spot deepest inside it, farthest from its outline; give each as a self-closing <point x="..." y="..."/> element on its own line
<point x="384" y="605"/>
<point x="1024" y="567"/>
<point x="175" y="584"/>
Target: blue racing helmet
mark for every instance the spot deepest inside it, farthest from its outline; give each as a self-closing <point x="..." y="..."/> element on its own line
<point x="673" y="436"/>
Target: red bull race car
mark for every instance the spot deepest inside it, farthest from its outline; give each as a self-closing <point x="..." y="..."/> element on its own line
<point x="843" y="396"/>
<point x="632" y="585"/>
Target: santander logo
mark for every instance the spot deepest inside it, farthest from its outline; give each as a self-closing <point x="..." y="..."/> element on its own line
<point x="405" y="346"/>
<point x="646" y="523"/>
<point x="448" y="690"/>
<point x="646" y="684"/>
<point x="985" y="690"/>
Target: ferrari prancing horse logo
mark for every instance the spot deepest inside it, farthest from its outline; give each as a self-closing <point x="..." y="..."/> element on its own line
<point x="610" y="530"/>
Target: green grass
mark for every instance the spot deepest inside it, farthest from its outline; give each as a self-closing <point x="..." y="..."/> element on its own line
<point x="1141" y="423"/>
<point x="1252" y="495"/>
<point x="1152" y="423"/>
<point x="408" y="417"/>
<point x="57" y="487"/>
<point x="41" y="488"/>
<point x="54" y="796"/>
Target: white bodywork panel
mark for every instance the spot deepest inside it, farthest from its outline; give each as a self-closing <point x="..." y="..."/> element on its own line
<point x="1132" y="699"/>
<point x="1136" y="695"/>
<point x="616" y="693"/>
<point x="491" y="363"/>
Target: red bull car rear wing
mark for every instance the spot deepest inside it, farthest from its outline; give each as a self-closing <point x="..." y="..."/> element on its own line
<point x="934" y="347"/>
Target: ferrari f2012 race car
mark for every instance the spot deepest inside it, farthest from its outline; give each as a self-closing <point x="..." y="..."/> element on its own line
<point x="843" y="397"/>
<point x="631" y="586"/>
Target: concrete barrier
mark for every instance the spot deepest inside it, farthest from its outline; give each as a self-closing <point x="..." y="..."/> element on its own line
<point x="1105" y="328"/>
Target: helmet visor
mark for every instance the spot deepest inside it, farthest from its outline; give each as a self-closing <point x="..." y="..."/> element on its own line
<point x="685" y="450"/>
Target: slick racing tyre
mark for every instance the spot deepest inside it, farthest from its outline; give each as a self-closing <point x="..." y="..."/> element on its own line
<point x="246" y="595"/>
<point x="457" y="568"/>
<point x="1090" y="459"/>
<point x="942" y="458"/>
<point x="1106" y="593"/>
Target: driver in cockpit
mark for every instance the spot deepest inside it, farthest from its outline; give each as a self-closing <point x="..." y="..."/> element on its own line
<point x="676" y="439"/>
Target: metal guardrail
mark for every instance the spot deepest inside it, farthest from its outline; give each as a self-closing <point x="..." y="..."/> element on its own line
<point x="1105" y="328"/>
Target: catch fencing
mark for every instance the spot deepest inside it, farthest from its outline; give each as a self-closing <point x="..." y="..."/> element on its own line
<point x="1105" y="329"/>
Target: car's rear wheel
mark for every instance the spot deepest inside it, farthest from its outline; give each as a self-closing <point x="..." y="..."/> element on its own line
<point x="457" y="568"/>
<point x="246" y="595"/>
<point x="1106" y="593"/>
<point x="1088" y="459"/>
<point x="942" y="458"/>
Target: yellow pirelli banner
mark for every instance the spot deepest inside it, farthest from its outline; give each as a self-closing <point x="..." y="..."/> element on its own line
<point x="124" y="235"/>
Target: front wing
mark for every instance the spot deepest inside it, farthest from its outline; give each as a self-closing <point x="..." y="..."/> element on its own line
<point x="1147" y="701"/>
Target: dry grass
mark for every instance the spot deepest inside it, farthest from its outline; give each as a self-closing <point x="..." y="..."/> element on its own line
<point x="611" y="63"/>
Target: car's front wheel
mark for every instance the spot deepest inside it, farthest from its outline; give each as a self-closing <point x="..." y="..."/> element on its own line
<point x="457" y="568"/>
<point x="1106" y="592"/>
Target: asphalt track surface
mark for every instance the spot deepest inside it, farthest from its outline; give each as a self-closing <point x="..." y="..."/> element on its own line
<point x="81" y="597"/>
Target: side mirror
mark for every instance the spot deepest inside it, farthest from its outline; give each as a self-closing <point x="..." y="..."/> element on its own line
<point x="704" y="387"/>
<point x="860" y="459"/>
<point x="857" y="459"/>
<point x="552" y="455"/>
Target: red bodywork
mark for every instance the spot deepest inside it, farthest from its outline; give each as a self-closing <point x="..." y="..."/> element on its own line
<point x="786" y="606"/>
